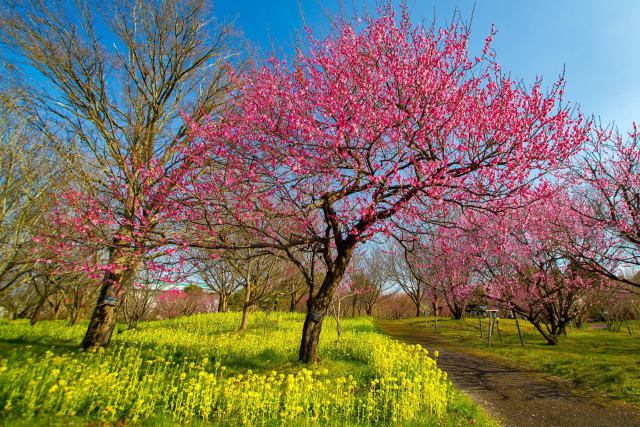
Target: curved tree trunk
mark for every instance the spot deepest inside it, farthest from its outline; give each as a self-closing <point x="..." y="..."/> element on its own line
<point x="311" y="334"/>
<point x="114" y="283"/>
<point x="103" y="319"/>
<point x="318" y="305"/>
<point x="34" y="315"/>
<point x="550" y="337"/>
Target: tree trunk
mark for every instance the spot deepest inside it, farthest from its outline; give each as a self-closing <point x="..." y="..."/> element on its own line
<point x="337" y="316"/>
<point x="311" y="334"/>
<point x="457" y="311"/>
<point x="515" y="316"/>
<point x="318" y="305"/>
<point x="245" y="317"/>
<point x="222" y="303"/>
<point x="55" y="311"/>
<point x="418" y="309"/>
<point x="132" y="323"/>
<point x="36" y="311"/>
<point x="246" y="305"/>
<point x="74" y="308"/>
<point x="292" y="304"/>
<point x="103" y="319"/>
<point x="551" y="337"/>
<point x="74" y="316"/>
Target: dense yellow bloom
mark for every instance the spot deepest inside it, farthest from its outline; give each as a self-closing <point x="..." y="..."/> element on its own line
<point x="187" y="368"/>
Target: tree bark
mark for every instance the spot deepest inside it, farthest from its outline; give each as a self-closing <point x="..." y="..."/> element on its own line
<point x="74" y="316"/>
<point x="222" y="304"/>
<point x="551" y="337"/>
<point x="34" y="315"/>
<point x="318" y="305"/>
<point x="311" y="334"/>
<point x="103" y="319"/>
<point x="114" y="283"/>
<point x="246" y="305"/>
<point x="55" y="310"/>
<point x="245" y="317"/>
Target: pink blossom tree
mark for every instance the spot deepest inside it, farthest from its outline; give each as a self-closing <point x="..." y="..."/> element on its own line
<point x="523" y="260"/>
<point x="184" y="301"/>
<point x="607" y="193"/>
<point x="450" y="268"/>
<point x="381" y="120"/>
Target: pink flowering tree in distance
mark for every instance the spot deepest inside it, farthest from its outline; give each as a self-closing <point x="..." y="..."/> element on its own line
<point x="383" y="120"/>
<point x="607" y="193"/>
<point x="525" y="263"/>
<point x="450" y="268"/>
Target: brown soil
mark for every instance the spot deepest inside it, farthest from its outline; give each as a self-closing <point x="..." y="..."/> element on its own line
<point x="515" y="396"/>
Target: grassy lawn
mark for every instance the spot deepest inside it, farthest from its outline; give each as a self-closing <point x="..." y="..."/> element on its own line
<point x="603" y="360"/>
<point x="199" y="370"/>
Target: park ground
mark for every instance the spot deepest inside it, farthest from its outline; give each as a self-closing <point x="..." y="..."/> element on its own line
<point x="591" y="378"/>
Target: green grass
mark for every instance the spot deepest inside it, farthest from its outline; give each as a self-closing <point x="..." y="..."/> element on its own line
<point x="596" y="358"/>
<point x="199" y="370"/>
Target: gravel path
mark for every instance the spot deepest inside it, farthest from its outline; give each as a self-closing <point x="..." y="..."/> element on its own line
<point x="518" y="397"/>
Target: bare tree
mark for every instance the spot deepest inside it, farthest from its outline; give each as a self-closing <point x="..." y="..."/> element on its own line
<point x="371" y="280"/>
<point x="405" y="274"/>
<point x="140" y="299"/>
<point x="218" y="275"/>
<point x="27" y="167"/>
<point x="120" y="106"/>
<point x="263" y="278"/>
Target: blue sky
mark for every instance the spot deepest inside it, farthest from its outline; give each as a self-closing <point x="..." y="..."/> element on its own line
<point x="597" y="41"/>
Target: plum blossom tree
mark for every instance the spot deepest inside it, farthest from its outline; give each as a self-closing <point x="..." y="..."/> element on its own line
<point x="184" y="301"/>
<point x="607" y="193"/>
<point x="525" y="264"/>
<point x="450" y="269"/>
<point x="381" y="120"/>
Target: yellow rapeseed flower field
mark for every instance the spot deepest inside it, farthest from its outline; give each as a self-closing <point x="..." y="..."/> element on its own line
<point x="199" y="368"/>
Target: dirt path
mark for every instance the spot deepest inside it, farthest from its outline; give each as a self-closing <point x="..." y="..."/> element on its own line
<point x="518" y="397"/>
